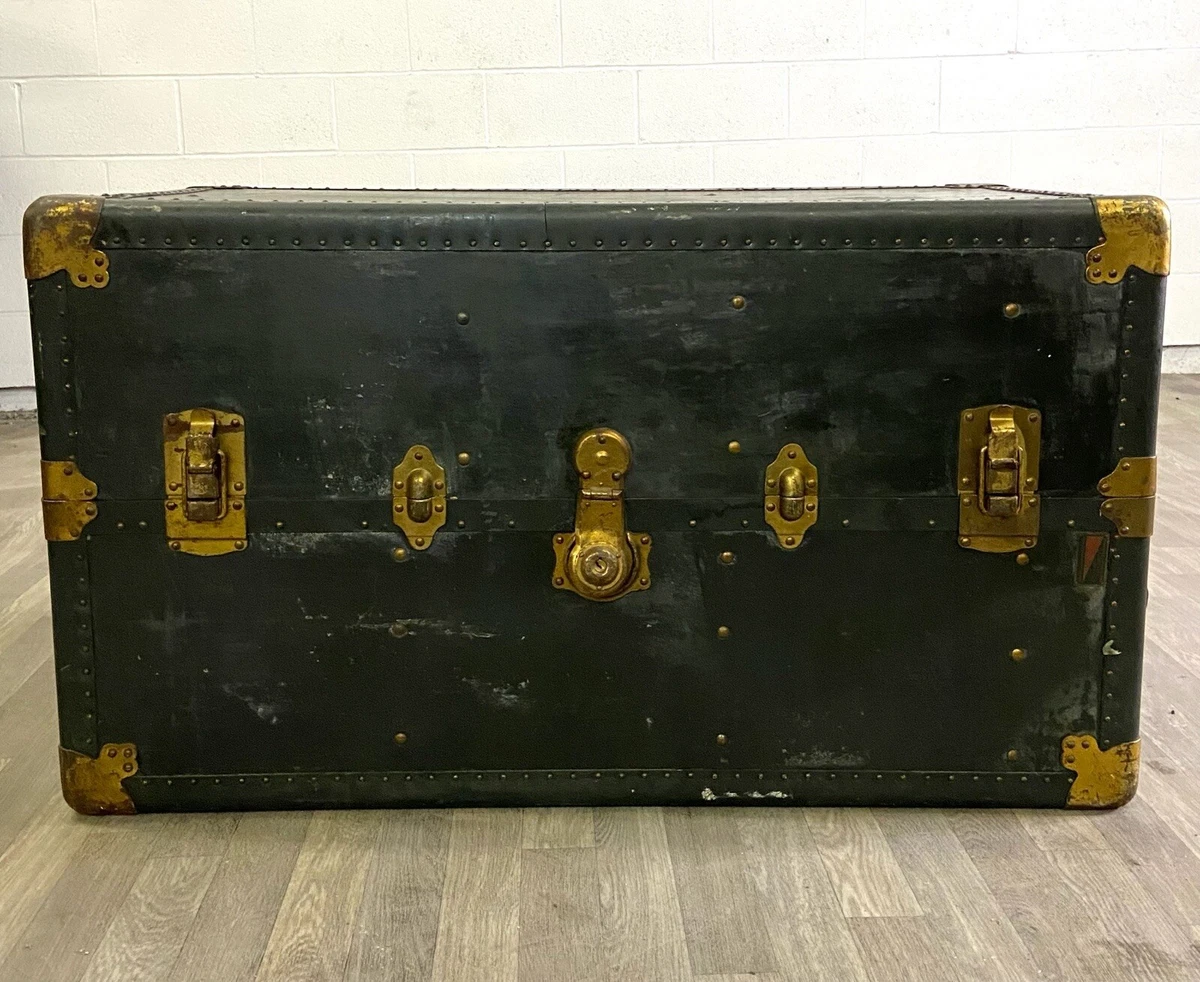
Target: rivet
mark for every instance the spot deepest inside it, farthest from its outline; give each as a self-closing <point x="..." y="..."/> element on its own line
<point x="464" y="458"/>
<point x="722" y="632"/>
<point x="236" y="506"/>
<point x="734" y="447"/>
<point x="790" y="540"/>
<point x="691" y="523"/>
<point x="1022" y="559"/>
<point x="1012" y="310"/>
<point x="1017" y="654"/>
<point x="175" y="544"/>
<point x="463" y="317"/>
<point x="965" y="541"/>
<point x="616" y="475"/>
<point x="644" y="581"/>
<point x="1011" y="755"/>
<point x="722" y="739"/>
<point x="970" y="416"/>
<point x="401" y="737"/>
<point x="845" y="521"/>
<point x="558" y="581"/>
<point x="240" y="544"/>
<point x="738" y="302"/>
<point x="418" y="542"/>
<point x="645" y="540"/>
<point x="727" y="557"/>
<point x="399" y="553"/>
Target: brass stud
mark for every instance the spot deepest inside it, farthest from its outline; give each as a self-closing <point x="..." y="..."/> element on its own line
<point x="1011" y="755"/>
<point x="240" y="544"/>
<point x="734" y="447"/>
<point x="175" y="545"/>
<point x="401" y="738"/>
<point x="399" y="553"/>
<point x="790" y="540"/>
<point x="464" y="458"/>
<point x="645" y="540"/>
<point x="965" y="540"/>
<point x="1022" y="559"/>
<point x="1012" y="310"/>
<point x="722" y="739"/>
<point x="727" y="557"/>
<point x="737" y="302"/>
<point x="398" y="630"/>
<point x="238" y="486"/>
<point x="1017" y="654"/>
<point x="463" y="317"/>
<point x="418" y="542"/>
<point x="722" y="632"/>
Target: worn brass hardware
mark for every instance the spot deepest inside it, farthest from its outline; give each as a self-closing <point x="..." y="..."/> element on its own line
<point x="1129" y="496"/>
<point x="790" y="495"/>
<point x="998" y="460"/>
<point x="419" y="496"/>
<point x="600" y="560"/>
<point x="1135" y="232"/>
<point x="1104" y="778"/>
<point x="204" y="461"/>
<point x="68" y="500"/>
<point x="59" y="230"/>
<point x="92" y="786"/>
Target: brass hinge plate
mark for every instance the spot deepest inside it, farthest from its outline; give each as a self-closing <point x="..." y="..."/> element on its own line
<point x="419" y="496"/>
<point x="790" y="495"/>
<point x="1104" y="778"/>
<point x="1135" y="232"/>
<point x="999" y="450"/>
<point x="204" y="474"/>
<point x="68" y="500"/>
<point x="1129" y="496"/>
<point x="92" y="786"/>
<point x="600" y="560"/>
<point x="59" y="230"/>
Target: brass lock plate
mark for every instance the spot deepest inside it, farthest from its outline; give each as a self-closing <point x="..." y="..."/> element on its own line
<point x="790" y="495"/>
<point x="999" y="448"/>
<point x="600" y="560"/>
<point x="419" y="496"/>
<point x="204" y="464"/>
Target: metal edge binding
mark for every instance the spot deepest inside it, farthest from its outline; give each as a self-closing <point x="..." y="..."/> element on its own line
<point x="1129" y="496"/>
<point x="1104" y="778"/>
<point x="1134" y="232"/>
<point x="92" y="786"/>
<point x="58" y="232"/>
<point x="68" y="500"/>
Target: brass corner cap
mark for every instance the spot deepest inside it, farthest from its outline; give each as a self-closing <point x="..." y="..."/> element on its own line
<point x="58" y="231"/>
<point x="1103" y="778"/>
<point x="92" y="786"/>
<point x="1135" y="232"/>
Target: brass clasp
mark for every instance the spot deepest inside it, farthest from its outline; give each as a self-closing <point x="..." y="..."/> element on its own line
<point x="998" y="459"/>
<point x="600" y="560"/>
<point x="419" y="496"/>
<point x="790" y="495"/>
<point x="204" y="458"/>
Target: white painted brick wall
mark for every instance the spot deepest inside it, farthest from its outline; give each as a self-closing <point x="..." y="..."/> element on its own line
<point x="123" y="95"/>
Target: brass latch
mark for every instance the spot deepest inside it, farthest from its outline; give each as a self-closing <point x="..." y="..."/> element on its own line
<point x="204" y="458"/>
<point x="419" y="496"/>
<point x="998" y="456"/>
<point x="600" y="560"/>
<point x="790" y="495"/>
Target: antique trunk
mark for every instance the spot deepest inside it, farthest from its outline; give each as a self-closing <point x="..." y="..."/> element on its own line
<point x="413" y="498"/>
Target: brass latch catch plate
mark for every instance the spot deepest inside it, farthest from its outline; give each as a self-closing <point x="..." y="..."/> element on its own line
<point x="790" y="495"/>
<point x="68" y="500"/>
<point x="600" y="560"/>
<point x="419" y="496"/>
<point x="204" y="461"/>
<point x="998" y="461"/>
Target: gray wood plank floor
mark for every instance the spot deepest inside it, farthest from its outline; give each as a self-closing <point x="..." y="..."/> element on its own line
<point x="612" y="895"/>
